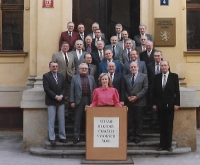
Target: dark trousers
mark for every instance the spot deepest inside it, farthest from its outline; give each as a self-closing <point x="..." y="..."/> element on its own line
<point x="80" y="115"/>
<point x="165" y="119"/>
<point x="67" y="95"/>
<point x="135" y="120"/>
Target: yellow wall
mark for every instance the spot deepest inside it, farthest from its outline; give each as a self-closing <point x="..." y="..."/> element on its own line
<point x="176" y="9"/>
<point x="46" y="24"/>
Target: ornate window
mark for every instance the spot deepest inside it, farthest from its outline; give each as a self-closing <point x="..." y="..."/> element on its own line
<point x="12" y="12"/>
<point x="193" y="25"/>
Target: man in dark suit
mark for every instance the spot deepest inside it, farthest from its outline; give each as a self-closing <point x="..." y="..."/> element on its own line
<point x="65" y="61"/>
<point x="142" y="29"/>
<point x="89" y="47"/>
<point x="81" y="90"/>
<point x="118" y="30"/>
<point x="92" y="69"/>
<point x="117" y="81"/>
<point x="69" y="36"/>
<point x="142" y="47"/>
<point x="136" y="86"/>
<point x="78" y="54"/>
<point x="108" y="58"/>
<point x="166" y="99"/>
<point x="81" y="31"/>
<point x="115" y="48"/>
<point x="125" y="37"/>
<point x="134" y="58"/>
<point x="98" y="55"/>
<point x="148" y="55"/>
<point x="98" y="37"/>
<point x="54" y="87"/>
<point x="94" y="27"/>
<point x="153" y="69"/>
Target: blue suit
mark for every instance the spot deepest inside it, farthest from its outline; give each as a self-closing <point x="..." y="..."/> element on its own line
<point x="103" y="67"/>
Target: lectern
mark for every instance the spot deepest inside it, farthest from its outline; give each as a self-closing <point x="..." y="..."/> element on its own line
<point x="106" y="133"/>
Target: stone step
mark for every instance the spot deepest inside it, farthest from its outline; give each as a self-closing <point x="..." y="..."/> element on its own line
<point x="81" y="153"/>
<point x="148" y="145"/>
<point x="144" y="137"/>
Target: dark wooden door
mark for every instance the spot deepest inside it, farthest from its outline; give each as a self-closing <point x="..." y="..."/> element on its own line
<point x="107" y="13"/>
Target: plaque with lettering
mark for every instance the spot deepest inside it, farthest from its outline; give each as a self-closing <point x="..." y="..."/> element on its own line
<point x="106" y="132"/>
<point x="165" y="31"/>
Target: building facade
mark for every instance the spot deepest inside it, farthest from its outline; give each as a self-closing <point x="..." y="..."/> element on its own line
<point x="30" y="33"/>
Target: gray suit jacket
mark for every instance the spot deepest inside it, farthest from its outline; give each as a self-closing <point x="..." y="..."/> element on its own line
<point x="121" y="43"/>
<point x="139" y="89"/>
<point x="118" y="52"/>
<point x="67" y="70"/>
<point x="76" y="61"/>
<point x="76" y="88"/>
<point x="102" y="35"/>
<point x="137" y="38"/>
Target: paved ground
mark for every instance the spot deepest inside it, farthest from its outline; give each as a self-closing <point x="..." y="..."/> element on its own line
<point x="11" y="154"/>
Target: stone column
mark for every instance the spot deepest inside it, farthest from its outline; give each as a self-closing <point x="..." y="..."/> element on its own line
<point x="184" y="131"/>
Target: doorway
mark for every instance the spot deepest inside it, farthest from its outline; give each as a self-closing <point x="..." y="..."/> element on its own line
<point x="108" y="13"/>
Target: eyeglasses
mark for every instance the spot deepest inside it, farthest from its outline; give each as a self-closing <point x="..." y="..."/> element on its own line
<point x="83" y="68"/>
<point x="54" y="66"/>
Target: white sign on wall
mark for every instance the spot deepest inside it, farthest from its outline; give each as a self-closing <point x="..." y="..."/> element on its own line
<point x="106" y="132"/>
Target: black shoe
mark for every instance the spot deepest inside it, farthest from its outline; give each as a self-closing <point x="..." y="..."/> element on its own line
<point x="137" y="141"/>
<point x="76" y="140"/>
<point x="160" y="149"/>
<point x="170" y="149"/>
<point x="63" y="140"/>
<point x="53" y="142"/>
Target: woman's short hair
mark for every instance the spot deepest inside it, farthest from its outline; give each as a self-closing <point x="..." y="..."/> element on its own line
<point x="109" y="79"/>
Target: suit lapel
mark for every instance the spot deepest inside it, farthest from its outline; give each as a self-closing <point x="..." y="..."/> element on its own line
<point x="79" y="81"/>
<point x="62" y="58"/>
<point x="168" y="81"/>
<point x="137" y="79"/>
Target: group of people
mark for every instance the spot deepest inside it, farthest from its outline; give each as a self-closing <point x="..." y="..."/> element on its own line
<point x="87" y="71"/>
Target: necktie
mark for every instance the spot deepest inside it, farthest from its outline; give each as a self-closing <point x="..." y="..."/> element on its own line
<point x="124" y="44"/>
<point x="111" y="76"/>
<point x="143" y="48"/>
<point x="129" y="55"/>
<point x="164" y="82"/>
<point x="66" y="60"/>
<point x="101" y="56"/>
<point x="89" y="69"/>
<point x="118" y="36"/>
<point x="113" y="51"/>
<point x="132" y="80"/>
<point x="88" y="49"/>
<point x="82" y="36"/>
<point x="157" y="69"/>
<point x="149" y="53"/>
<point x="55" y="77"/>
<point x="70" y="35"/>
<point x="79" y="55"/>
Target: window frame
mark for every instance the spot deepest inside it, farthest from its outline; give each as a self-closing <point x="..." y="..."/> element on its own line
<point x="192" y="6"/>
<point x="11" y="7"/>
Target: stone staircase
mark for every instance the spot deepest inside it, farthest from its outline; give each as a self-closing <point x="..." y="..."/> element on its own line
<point x="148" y="145"/>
